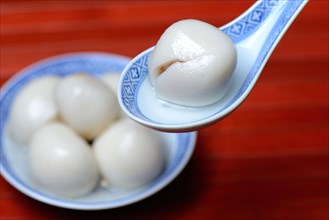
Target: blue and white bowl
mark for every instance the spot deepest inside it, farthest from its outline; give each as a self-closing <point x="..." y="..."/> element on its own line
<point x="179" y="146"/>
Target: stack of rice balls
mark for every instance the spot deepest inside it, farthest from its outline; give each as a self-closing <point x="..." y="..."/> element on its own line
<point x="77" y="137"/>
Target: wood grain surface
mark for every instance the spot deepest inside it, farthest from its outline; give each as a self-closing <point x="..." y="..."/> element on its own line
<point x="267" y="160"/>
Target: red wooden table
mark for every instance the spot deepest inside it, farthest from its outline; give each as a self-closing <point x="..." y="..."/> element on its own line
<point x="267" y="160"/>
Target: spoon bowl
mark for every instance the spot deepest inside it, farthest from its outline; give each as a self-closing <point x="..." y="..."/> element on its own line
<point x="255" y="34"/>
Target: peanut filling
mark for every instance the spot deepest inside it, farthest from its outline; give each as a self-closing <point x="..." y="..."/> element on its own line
<point x="165" y="66"/>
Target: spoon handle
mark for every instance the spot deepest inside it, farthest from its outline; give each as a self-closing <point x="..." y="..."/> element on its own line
<point x="280" y="12"/>
<point x="256" y="33"/>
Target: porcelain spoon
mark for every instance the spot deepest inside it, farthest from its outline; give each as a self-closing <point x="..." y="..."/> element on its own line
<point x="255" y="34"/>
